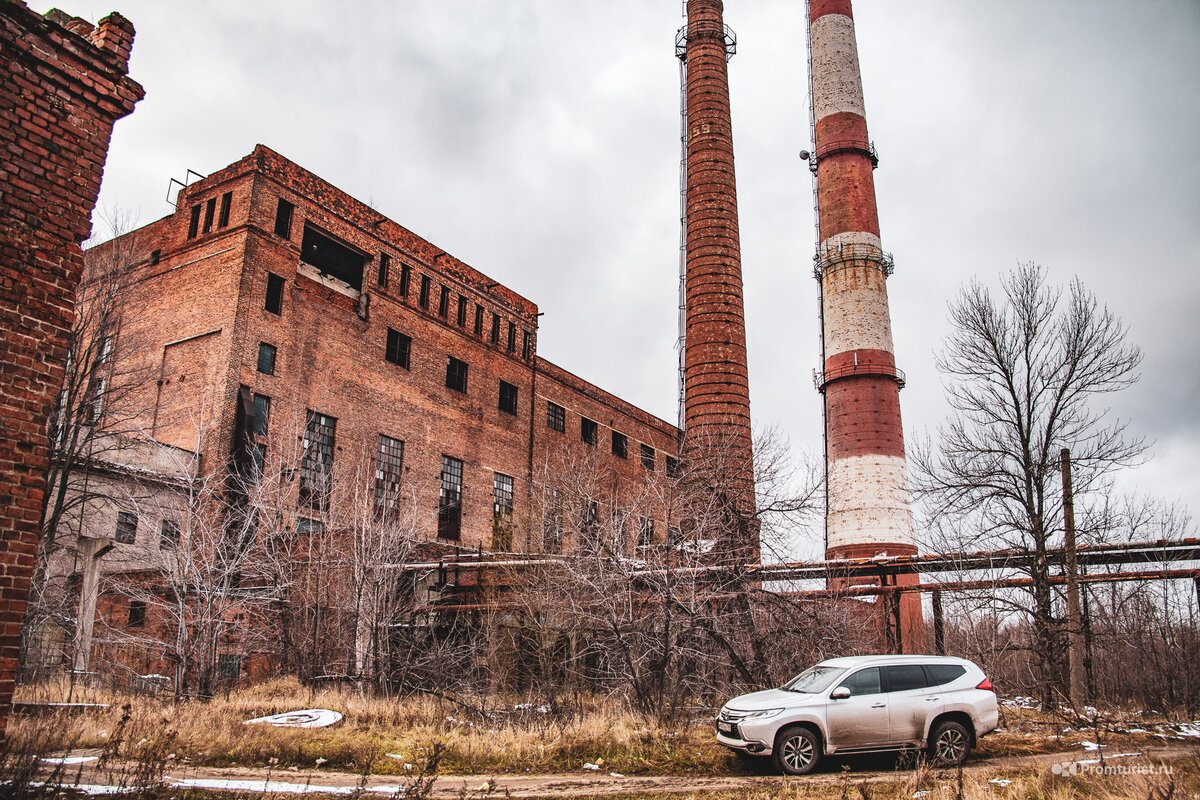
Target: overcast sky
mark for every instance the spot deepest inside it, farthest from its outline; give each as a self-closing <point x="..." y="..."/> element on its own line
<point x="539" y="142"/>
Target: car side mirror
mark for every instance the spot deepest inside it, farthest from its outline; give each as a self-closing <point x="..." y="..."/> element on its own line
<point x="840" y="693"/>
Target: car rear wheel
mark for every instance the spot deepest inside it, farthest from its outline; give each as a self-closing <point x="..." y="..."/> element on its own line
<point x="797" y="751"/>
<point x="949" y="744"/>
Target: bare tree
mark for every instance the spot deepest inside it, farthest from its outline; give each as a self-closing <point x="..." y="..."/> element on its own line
<point x="1024" y="372"/>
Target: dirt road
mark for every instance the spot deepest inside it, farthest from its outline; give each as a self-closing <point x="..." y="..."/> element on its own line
<point x="284" y="781"/>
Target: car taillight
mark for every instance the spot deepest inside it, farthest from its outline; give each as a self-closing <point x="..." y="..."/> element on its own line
<point x="986" y="685"/>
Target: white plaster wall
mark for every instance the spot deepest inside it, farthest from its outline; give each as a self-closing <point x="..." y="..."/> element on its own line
<point x="856" y="310"/>
<point x="837" y="84"/>
<point x="869" y="501"/>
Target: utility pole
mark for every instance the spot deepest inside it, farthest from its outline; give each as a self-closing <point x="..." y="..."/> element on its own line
<point x="1075" y="643"/>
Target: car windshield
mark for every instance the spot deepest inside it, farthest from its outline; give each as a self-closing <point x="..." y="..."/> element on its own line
<point x="813" y="679"/>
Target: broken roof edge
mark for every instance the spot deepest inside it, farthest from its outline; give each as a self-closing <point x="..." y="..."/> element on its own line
<point x="286" y="172"/>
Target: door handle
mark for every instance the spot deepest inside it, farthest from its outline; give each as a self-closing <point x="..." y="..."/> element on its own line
<point x="879" y="705"/>
<point x="931" y="699"/>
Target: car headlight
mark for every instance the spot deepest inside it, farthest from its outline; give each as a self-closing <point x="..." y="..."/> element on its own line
<point x="765" y="714"/>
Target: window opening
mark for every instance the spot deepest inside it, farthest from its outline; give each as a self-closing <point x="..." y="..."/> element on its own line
<point x="646" y="534"/>
<point x="527" y="347"/>
<point x="456" y="374"/>
<point x="137" y="613"/>
<point x="502" y="507"/>
<point x="385" y="262"/>
<point x="423" y="299"/>
<point x="262" y="414"/>
<point x="226" y="203"/>
<point x="194" y="222"/>
<point x="444" y="303"/>
<point x="672" y="467"/>
<point x="588" y="430"/>
<point x="332" y="258"/>
<point x="126" y="532"/>
<point x="495" y="337"/>
<point x="462" y="311"/>
<point x="512" y="338"/>
<point x="283" y="219"/>
<point x="648" y="457"/>
<point x="210" y="213"/>
<point x="389" y="466"/>
<point x="552" y="522"/>
<point x="266" y="358"/>
<point x="316" y="462"/>
<point x="556" y="417"/>
<point x="478" y="320"/>
<point x="508" y="398"/>
<point x="405" y="279"/>
<point x="399" y="346"/>
<point x="450" y="499"/>
<point x="620" y="444"/>
<point x="168" y="537"/>
<point x="155" y="257"/>
<point x="274" y="302"/>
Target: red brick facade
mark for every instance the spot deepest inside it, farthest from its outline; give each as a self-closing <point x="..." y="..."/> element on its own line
<point x="63" y="86"/>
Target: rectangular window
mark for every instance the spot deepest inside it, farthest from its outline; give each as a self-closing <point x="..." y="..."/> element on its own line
<point x="648" y="457"/>
<point x="283" y="219"/>
<point x="502" y="508"/>
<point x="137" y="613"/>
<point x="168" y="537"/>
<point x="316" y="460"/>
<point x="456" y="374"/>
<point x="508" y="398"/>
<point x="96" y="399"/>
<point x="444" y="303"/>
<point x="405" y="279"/>
<point x="512" y="338"/>
<point x="552" y="522"/>
<point x="620" y="445"/>
<point x="399" y="346"/>
<point x="229" y="667"/>
<point x="266" y="358"/>
<point x="646" y="534"/>
<point x="262" y="414"/>
<point x="389" y="466"/>
<point x="587" y="430"/>
<point x="423" y="298"/>
<point x="527" y="347"/>
<point x="226" y="202"/>
<point x="333" y="258"/>
<point x="462" y="311"/>
<point x="155" y="257"/>
<point x="194" y="221"/>
<point x="305" y="525"/>
<point x="126" y="531"/>
<point x="385" y="263"/>
<point x="672" y="467"/>
<point x="258" y="457"/>
<point x="210" y="213"/>
<point x="495" y="337"/>
<point x="478" y="320"/>
<point x="274" y="302"/>
<point x="556" y="417"/>
<point x="450" y="499"/>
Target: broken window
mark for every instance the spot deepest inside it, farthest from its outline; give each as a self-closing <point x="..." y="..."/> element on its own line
<point x="210" y="213"/>
<point x="262" y="414"/>
<point x="462" y="311"/>
<point x="305" y="525"/>
<point x="405" y="279"/>
<point x="646" y="534"/>
<point x="137" y="613"/>
<point x="274" y="302"/>
<point x="444" y="303"/>
<point x="266" y="358"/>
<point x="226" y="202"/>
<point x="194" y="222"/>
<point x="556" y="417"/>
<point x="450" y="499"/>
<point x="456" y="374"/>
<point x="389" y="465"/>
<point x="648" y="457"/>
<point x="527" y="347"/>
<point x="258" y="457"/>
<point x="588" y="430"/>
<point x="502" y="508"/>
<point x="332" y="258"/>
<point x="283" y="219"/>
<point x="316" y="461"/>
<point x="508" y="398"/>
<point x="423" y="298"/>
<point x="385" y="262"/>
<point x="478" y="320"/>
<point x="168" y="537"/>
<point x="512" y="338"/>
<point x="495" y="337"/>
<point x="126" y="532"/>
<point x="620" y="445"/>
<point x="672" y="467"/>
<point x="398" y="348"/>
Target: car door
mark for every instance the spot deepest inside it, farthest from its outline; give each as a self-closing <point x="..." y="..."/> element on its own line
<point x="860" y="720"/>
<point x="908" y="701"/>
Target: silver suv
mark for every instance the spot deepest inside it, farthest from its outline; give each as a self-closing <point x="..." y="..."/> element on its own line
<point x="864" y="704"/>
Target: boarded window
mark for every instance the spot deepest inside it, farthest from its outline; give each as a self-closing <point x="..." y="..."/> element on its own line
<point x="456" y="374"/>
<point x="556" y="417"/>
<point x="126" y="532"/>
<point x="502" y="509"/>
<point x="620" y="445"/>
<point x="508" y="398"/>
<point x="399" y="346"/>
<point x="588" y="430"/>
<point x="316" y="461"/>
<point x="274" y="301"/>
<point x="450" y="499"/>
<point x="283" y="219"/>
<point x="332" y="258"/>
<point x="266" y="358"/>
<point x="389" y="467"/>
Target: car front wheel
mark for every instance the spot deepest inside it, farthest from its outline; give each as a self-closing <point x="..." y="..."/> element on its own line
<point x="949" y="744"/>
<point x="797" y="751"/>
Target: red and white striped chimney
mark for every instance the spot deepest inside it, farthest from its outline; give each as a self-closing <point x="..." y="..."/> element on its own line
<point x="868" y="511"/>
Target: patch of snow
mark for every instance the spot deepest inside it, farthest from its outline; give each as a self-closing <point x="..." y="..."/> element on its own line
<point x="617" y="774"/>
<point x="1091" y="745"/>
<point x="590" y="765"/>
<point x="70" y="760"/>
<point x="1000" y="781"/>
<point x="306" y="718"/>
<point x="278" y="787"/>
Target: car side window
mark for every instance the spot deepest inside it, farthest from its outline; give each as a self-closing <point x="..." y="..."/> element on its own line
<point x="902" y="677"/>
<point x="865" y="681"/>
<point x="940" y="674"/>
